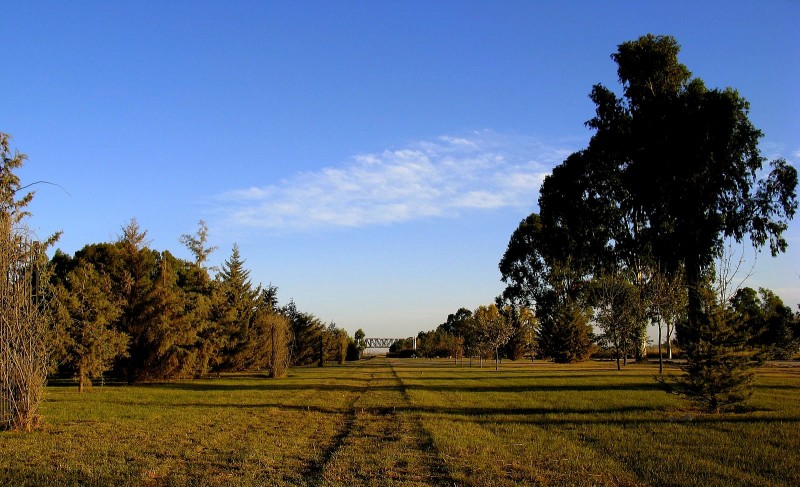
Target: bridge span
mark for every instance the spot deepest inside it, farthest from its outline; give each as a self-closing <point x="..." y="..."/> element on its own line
<point x="387" y="342"/>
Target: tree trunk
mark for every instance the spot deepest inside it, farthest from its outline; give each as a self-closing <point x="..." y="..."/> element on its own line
<point x="660" y="355"/>
<point x="273" y="361"/>
<point x="694" y="309"/>
<point x="669" y="342"/>
<point x="641" y="355"/>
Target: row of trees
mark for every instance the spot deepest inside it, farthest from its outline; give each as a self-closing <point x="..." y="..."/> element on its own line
<point x="768" y="328"/>
<point x="489" y="331"/>
<point x="143" y="314"/>
<point x="127" y="311"/>
<point x="629" y="228"/>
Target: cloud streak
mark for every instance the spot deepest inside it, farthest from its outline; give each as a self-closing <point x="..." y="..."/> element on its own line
<point x="444" y="177"/>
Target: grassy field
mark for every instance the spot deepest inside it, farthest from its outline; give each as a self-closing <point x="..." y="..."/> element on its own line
<point x="410" y="422"/>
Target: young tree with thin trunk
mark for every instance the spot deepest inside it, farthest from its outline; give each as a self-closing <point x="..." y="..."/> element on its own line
<point x="198" y="244"/>
<point x="493" y="330"/>
<point x="666" y="295"/>
<point x="617" y="313"/>
<point x="359" y="340"/>
<point x="274" y="329"/>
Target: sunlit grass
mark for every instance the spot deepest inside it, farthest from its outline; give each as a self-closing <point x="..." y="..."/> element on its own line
<point x="591" y="424"/>
<point x="410" y="422"/>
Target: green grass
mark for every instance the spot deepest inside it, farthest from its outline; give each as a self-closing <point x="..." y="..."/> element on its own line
<point x="410" y="422"/>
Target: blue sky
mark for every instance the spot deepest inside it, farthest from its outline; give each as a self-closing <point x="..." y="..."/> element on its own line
<point x="371" y="159"/>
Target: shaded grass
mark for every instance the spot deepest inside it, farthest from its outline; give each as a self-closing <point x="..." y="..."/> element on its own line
<point x="411" y="422"/>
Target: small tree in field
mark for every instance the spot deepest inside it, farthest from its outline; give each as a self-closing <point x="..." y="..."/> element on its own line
<point x="617" y="312"/>
<point x="276" y="327"/>
<point x="359" y="340"/>
<point x="493" y="329"/>
<point x="720" y="371"/>
<point x="667" y="297"/>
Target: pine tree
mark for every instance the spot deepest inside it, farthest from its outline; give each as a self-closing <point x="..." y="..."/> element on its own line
<point x="718" y="371"/>
<point x="234" y="311"/>
<point x="168" y="337"/>
<point x="88" y="314"/>
<point x="565" y="334"/>
<point x="135" y="284"/>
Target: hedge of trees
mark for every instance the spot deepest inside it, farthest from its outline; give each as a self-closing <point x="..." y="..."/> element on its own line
<point x="139" y="314"/>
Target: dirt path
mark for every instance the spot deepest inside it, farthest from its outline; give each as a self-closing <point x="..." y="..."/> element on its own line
<point x="381" y="442"/>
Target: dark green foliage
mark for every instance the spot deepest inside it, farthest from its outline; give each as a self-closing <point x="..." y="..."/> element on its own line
<point x="233" y="312"/>
<point x="681" y="164"/>
<point x="353" y="351"/>
<point x="770" y="325"/>
<point x="525" y="264"/>
<point x="307" y="332"/>
<point x="337" y="342"/>
<point x="544" y="267"/>
<point x="565" y="334"/>
<point x="457" y="322"/>
<point x="438" y="344"/>
<point x="137" y="266"/>
<point x="719" y="370"/>
<point x="169" y="337"/>
<point x="177" y="321"/>
<point x="672" y="170"/>
<point x="85" y="313"/>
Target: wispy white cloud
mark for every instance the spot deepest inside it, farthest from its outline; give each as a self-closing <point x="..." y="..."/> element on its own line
<point x="442" y="177"/>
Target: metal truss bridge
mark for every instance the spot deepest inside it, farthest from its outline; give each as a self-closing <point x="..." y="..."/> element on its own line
<point x="385" y="342"/>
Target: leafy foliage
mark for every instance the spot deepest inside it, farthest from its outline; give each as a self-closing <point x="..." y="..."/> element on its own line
<point x="770" y="325"/>
<point x="672" y="170"/>
<point x="617" y="313"/>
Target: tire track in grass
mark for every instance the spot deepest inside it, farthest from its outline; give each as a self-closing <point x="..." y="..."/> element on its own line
<point x="439" y="471"/>
<point x="314" y="474"/>
<point x="380" y="442"/>
<point x="488" y="447"/>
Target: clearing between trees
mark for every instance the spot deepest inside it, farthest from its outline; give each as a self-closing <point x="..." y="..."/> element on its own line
<point x="386" y="421"/>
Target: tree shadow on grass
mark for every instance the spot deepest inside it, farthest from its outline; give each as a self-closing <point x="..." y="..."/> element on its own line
<point x="535" y="416"/>
<point x="279" y="385"/>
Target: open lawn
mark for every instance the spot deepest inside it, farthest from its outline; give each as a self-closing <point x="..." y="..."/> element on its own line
<point x="411" y="422"/>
